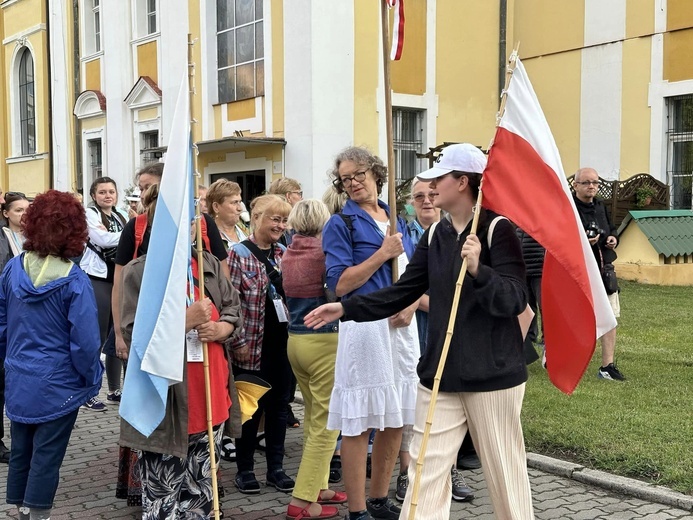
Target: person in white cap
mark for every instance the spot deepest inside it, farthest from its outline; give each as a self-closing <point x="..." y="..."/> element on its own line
<point x="483" y="381"/>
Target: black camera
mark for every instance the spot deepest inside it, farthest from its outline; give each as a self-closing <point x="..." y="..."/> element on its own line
<point x="593" y="230"/>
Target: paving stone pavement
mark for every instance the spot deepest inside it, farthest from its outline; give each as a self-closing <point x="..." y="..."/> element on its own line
<point x="88" y="476"/>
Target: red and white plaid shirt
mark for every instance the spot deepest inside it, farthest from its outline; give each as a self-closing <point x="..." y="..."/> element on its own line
<point x="249" y="276"/>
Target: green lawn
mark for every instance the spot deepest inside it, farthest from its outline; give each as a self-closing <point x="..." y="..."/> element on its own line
<point x="643" y="427"/>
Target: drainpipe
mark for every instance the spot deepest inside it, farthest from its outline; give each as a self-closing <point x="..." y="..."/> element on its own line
<point x="502" y="43"/>
<point x="76" y="86"/>
<point x="50" y="96"/>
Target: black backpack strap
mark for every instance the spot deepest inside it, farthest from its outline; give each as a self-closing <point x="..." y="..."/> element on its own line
<point x="274" y="275"/>
<point x="348" y="220"/>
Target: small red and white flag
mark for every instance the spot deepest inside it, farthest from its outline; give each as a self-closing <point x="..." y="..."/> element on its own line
<point x="398" y="29"/>
<point x="524" y="180"/>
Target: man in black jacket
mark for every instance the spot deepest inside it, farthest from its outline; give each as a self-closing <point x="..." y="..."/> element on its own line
<point x="601" y="234"/>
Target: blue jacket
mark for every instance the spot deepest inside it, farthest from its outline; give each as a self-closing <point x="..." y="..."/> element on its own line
<point x="49" y="339"/>
<point x="344" y="248"/>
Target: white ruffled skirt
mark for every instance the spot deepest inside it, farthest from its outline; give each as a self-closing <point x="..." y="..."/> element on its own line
<point x="375" y="377"/>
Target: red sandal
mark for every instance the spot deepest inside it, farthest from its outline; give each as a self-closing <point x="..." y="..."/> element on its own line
<point x="296" y="513"/>
<point x="339" y="497"/>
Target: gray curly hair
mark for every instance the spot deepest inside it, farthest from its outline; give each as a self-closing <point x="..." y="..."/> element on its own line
<point x="364" y="159"/>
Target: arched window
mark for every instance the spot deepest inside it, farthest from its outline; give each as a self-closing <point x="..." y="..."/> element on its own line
<point x="27" y="112"/>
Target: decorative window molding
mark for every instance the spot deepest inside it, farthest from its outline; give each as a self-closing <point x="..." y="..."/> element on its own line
<point x="146" y="93"/>
<point x="90" y="103"/>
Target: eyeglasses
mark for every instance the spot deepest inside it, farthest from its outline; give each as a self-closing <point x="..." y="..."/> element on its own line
<point x="279" y="220"/>
<point x="299" y="193"/>
<point x="14" y="194"/>
<point x="346" y="181"/>
<point x="421" y="197"/>
<point x="588" y="183"/>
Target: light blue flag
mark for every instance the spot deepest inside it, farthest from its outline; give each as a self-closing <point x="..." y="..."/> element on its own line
<point x="157" y="352"/>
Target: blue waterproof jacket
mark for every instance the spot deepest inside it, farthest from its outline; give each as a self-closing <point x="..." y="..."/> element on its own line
<point x="49" y="340"/>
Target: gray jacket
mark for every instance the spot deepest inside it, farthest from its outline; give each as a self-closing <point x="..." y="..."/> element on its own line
<point x="171" y="436"/>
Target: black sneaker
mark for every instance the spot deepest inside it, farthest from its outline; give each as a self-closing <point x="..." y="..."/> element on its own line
<point x="461" y="492"/>
<point x="94" y="404"/>
<point x="610" y="372"/>
<point x="246" y="483"/>
<point x="114" y="396"/>
<point x="335" y="469"/>
<point x="280" y="480"/>
<point x="362" y="516"/>
<point x="402" y="485"/>
<point x="387" y="510"/>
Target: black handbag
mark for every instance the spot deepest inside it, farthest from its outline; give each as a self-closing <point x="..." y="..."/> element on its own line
<point x="609" y="279"/>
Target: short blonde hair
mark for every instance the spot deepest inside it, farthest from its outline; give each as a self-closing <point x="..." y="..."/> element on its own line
<point x="308" y="217"/>
<point x="218" y="192"/>
<point x="283" y="186"/>
<point x="272" y="204"/>
<point x="334" y="200"/>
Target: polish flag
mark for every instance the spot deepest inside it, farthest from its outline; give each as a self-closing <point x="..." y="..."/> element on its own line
<point x="398" y="30"/>
<point x="524" y="180"/>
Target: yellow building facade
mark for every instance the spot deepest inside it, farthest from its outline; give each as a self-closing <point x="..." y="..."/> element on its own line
<point x="281" y="86"/>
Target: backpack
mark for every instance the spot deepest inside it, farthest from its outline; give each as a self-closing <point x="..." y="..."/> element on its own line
<point x="141" y="228"/>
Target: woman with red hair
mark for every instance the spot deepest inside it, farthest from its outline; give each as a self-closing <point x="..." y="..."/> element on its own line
<point x="49" y="339"/>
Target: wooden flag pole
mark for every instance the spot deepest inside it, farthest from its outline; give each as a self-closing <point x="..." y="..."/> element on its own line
<point x="451" y="324"/>
<point x="201" y="285"/>
<point x="391" y="192"/>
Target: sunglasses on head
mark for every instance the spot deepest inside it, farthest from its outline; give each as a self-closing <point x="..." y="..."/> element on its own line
<point x="14" y="194"/>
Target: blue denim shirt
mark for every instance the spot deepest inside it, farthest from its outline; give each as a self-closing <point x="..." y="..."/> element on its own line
<point x="344" y="248"/>
<point x="299" y="307"/>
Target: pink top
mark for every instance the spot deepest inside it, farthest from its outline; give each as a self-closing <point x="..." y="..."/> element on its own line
<point x="303" y="268"/>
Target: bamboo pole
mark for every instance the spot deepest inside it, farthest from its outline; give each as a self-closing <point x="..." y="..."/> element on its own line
<point x="387" y="87"/>
<point x="451" y="320"/>
<point x="201" y="285"/>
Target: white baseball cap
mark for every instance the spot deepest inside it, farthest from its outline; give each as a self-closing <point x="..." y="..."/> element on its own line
<point x="134" y="196"/>
<point x="462" y="157"/>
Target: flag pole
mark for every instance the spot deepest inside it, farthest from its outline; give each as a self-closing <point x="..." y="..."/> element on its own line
<point x="201" y="284"/>
<point x="451" y="320"/>
<point x="391" y="192"/>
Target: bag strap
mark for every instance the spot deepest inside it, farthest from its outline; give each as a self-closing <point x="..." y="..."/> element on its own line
<point x="140" y="228"/>
<point x="431" y="230"/>
<point x="272" y="272"/>
<point x="491" y="227"/>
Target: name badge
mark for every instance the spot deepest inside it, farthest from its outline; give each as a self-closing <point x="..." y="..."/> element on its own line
<point x="192" y="339"/>
<point x="279" y="308"/>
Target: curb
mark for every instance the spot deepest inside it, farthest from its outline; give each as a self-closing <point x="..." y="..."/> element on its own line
<point x="618" y="484"/>
<point x="601" y="479"/>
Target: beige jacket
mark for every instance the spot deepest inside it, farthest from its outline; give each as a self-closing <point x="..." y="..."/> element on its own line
<point x="171" y="436"/>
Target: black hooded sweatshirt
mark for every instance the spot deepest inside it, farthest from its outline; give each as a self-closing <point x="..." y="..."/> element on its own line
<point x="486" y="350"/>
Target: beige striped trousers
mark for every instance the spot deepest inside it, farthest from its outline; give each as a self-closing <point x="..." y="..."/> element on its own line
<point x="493" y="419"/>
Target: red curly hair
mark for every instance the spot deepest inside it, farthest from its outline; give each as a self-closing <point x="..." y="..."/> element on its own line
<point x="55" y="224"/>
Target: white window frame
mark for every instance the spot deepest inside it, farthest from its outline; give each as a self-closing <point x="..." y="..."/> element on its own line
<point x="141" y="15"/>
<point x="672" y="138"/>
<point x="255" y="60"/>
<point x="15" y="108"/>
<point x="92" y="26"/>
<point x="93" y="135"/>
<point x="421" y="119"/>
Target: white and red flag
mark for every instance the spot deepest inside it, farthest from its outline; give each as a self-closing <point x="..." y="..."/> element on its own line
<point x="524" y="180"/>
<point x="398" y="29"/>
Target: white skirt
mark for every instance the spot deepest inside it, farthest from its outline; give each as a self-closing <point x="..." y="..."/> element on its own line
<point x="375" y="377"/>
